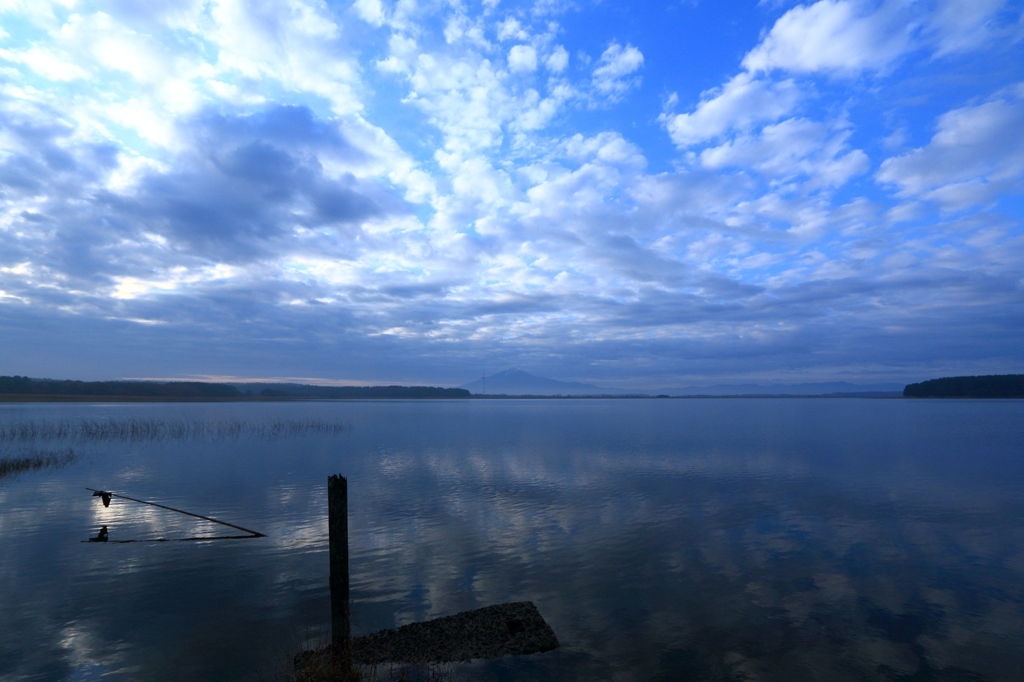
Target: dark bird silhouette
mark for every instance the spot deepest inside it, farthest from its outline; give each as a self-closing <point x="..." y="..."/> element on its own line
<point x="105" y="496"/>
<point x="101" y="536"/>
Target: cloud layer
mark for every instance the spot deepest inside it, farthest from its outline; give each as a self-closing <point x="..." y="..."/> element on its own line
<point x="397" y="191"/>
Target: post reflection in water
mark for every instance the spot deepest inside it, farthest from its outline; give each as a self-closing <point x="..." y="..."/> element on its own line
<point x="662" y="540"/>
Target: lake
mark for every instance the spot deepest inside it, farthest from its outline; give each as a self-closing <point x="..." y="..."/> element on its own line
<point x="682" y="539"/>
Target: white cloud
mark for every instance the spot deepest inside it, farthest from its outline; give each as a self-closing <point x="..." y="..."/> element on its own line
<point x="558" y="60"/>
<point x="39" y="12"/>
<point x="538" y="112"/>
<point x="465" y="99"/>
<point x="976" y="154"/>
<point x="962" y="25"/>
<point x="793" y="148"/>
<point x="46" y="62"/>
<point x="230" y="92"/>
<point x="511" y="29"/>
<point x="520" y="230"/>
<point x="609" y="148"/>
<point x="117" y="47"/>
<point x="294" y="44"/>
<point x="370" y="11"/>
<point x="173" y="280"/>
<point x="181" y="59"/>
<point x="148" y="119"/>
<point x="842" y="36"/>
<point x="613" y="76"/>
<point x="522" y="58"/>
<point x="741" y="103"/>
<point x="402" y="50"/>
<point x="461" y="28"/>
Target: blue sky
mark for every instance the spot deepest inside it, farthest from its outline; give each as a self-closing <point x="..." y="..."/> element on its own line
<point x="639" y="195"/>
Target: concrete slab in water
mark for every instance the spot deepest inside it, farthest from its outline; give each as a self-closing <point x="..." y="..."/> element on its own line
<point x="491" y="632"/>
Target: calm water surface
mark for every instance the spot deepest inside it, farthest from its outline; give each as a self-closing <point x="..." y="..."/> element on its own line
<point x="747" y="539"/>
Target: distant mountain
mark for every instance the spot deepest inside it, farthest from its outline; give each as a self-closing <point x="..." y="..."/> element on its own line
<point x="821" y="388"/>
<point x="517" y="382"/>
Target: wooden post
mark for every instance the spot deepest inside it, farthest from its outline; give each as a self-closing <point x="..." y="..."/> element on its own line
<point x="337" y="511"/>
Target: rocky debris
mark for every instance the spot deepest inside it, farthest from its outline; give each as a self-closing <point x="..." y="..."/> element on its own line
<point x="512" y="629"/>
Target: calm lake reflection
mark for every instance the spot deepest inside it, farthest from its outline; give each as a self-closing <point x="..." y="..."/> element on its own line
<point x="720" y="539"/>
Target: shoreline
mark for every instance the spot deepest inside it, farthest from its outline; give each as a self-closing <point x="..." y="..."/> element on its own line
<point x="30" y="398"/>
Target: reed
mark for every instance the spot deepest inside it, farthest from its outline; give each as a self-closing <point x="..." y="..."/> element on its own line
<point x="12" y="466"/>
<point x="138" y="429"/>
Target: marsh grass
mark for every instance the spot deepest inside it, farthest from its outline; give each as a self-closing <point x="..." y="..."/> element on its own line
<point x="137" y="429"/>
<point x="31" y="461"/>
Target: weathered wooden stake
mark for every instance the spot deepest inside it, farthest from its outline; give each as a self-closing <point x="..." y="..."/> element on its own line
<point x="337" y="511"/>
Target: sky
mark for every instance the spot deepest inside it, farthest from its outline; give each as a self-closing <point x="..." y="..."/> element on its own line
<point x="637" y="195"/>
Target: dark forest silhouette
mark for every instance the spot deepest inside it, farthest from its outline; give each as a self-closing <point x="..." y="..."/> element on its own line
<point x="56" y="389"/>
<point x="990" y="386"/>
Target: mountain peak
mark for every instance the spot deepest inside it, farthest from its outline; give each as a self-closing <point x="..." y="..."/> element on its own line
<point x="514" y="372"/>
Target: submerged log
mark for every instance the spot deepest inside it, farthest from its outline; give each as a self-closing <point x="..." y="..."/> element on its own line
<point x="512" y="629"/>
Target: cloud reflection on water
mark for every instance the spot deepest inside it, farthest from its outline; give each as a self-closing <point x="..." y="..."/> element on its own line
<point x="734" y="575"/>
<point x="789" y="540"/>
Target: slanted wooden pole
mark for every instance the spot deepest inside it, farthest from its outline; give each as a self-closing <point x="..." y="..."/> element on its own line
<point x="337" y="511"/>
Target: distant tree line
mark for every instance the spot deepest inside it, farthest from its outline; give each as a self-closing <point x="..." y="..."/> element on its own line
<point x="991" y="386"/>
<point x="341" y="392"/>
<point x="16" y="385"/>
